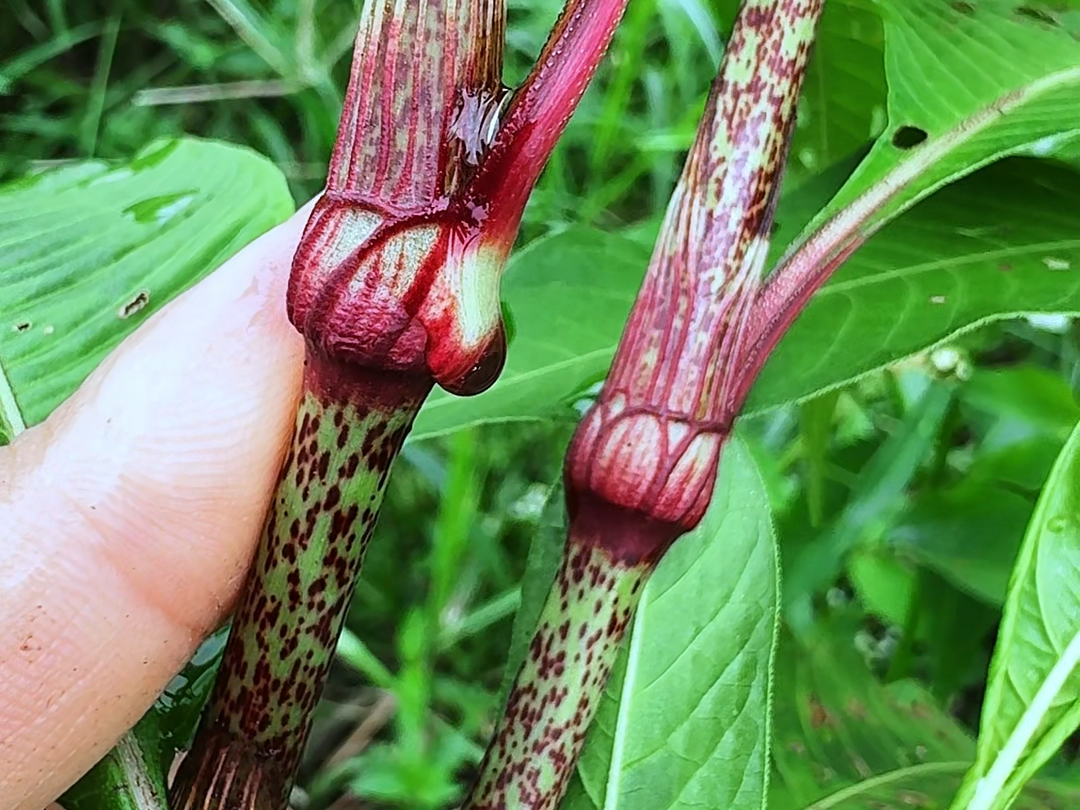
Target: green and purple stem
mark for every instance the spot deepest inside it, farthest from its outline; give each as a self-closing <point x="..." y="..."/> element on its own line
<point x="554" y="697"/>
<point x="395" y="287"/>
<point x="642" y="464"/>
<point x="350" y="426"/>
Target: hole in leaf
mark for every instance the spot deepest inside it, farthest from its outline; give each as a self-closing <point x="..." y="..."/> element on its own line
<point x="22" y="326"/>
<point x="907" y="137"/>
<point x="1036" y="14"/>
<point x="135" y="304"/>
<point x="963" y="7"/>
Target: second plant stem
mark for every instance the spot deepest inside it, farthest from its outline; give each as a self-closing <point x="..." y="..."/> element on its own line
<point x="641" y="467"/>
<point x="569" y="660"/>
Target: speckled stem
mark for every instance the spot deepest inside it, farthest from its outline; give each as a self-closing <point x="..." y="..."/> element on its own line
<point x="350" y="426"/>
<point x="397" y="279"/>
<point x="554" y="697"/>
<point x="641" y="467"/>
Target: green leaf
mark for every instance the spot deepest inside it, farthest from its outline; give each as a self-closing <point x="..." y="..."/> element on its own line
<point x="89" y="252"/>
<point x="1001" y="243"/>
<point x="840" y="733"/>
<point x="684" y="722"/>
<point x="180" y="704"/>
<point x="955" y="626"/>
<point x="844" y="741"/>
<point x="130" y="777"/>
<point x="815" y="430"/>
<point x="885" y="585"/>
<point x="1023" y="415"/>
<point x="1038" y="397"/>
<point x="1033" y="698"/>
<point x="876" y="498"/>
<point x="969" y="534"/>
<point x="960" y="259"/>
<point x="968" y="83"/>
<point x="843" y="101"/>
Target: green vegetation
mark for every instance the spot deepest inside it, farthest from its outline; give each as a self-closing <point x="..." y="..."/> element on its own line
<point x="918" y="474"/>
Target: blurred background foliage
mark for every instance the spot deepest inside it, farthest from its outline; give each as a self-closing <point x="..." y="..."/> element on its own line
<point x="900" y="500"/>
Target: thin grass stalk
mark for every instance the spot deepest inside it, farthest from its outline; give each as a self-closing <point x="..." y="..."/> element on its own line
<point x="395" y="287"/>
<point x="642" y="464"/>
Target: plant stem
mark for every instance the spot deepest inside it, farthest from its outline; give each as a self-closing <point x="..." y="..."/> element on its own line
<point x="641" y="467"/>
<point x="540" y="110"/>
<point x="570" y="659"/>
<point x="395" y="287"/>
<point x="350" y="425"/>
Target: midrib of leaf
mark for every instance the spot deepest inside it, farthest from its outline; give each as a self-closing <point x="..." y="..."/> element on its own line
<point x="991" y="786"/>
<point x="856" y="218"/>
<point x="618" y="737"/>
<point x="10" y="415"/>
<point x="883" y="780"/>
<point x="145" y="787"/>
<point x="910" y="270"/>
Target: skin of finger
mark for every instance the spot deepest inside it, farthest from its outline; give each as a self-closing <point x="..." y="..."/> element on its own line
<point x="129" y="517"/>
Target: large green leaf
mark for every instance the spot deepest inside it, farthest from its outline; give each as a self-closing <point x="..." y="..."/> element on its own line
<point x="968" y="83"/>
<point x="89" y="252"/>
<point x="1033" y="698"/>
<point x="843" y="100"/>
<point x="995" y="245"/>
<point x="684" y="722"/>
<point x="1003" y="242"/>
<point x="844" y="741"/>
<point x="837" y="727"/>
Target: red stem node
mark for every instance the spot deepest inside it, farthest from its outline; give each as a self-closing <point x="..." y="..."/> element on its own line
<point x="651" y="443"/>
<point x="400" y="263"/>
